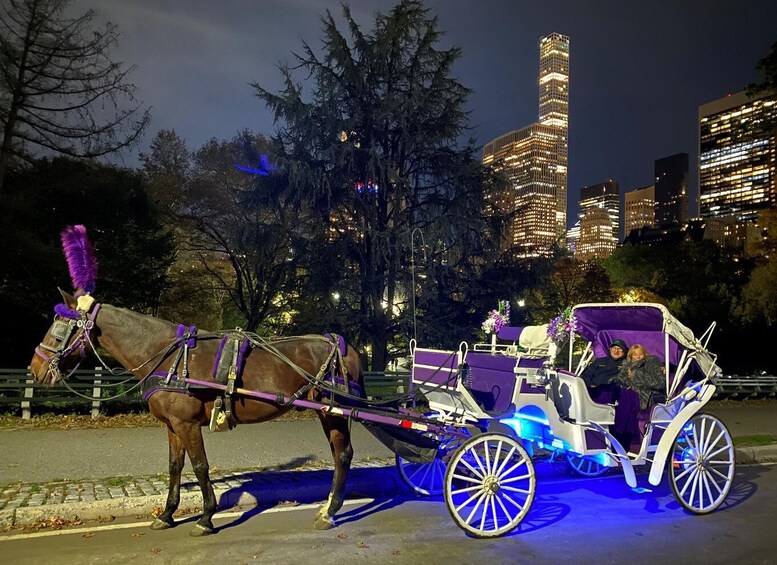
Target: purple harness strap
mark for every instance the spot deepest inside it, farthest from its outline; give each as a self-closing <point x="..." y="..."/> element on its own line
<point x="340" y="342"/>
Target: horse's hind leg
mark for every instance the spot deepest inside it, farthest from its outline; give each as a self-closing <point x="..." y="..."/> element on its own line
<point x="339" y="436"/>
<point x="177" y="453"/>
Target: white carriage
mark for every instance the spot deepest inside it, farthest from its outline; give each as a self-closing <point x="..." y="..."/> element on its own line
<point x="512" y="401"/>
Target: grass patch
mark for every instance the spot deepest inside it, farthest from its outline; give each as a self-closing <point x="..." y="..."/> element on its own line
<point x="754" y="441"/>
<point x="116" y="482"/>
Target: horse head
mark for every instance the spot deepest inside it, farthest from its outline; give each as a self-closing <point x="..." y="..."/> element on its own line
<point x="68" y="340"/>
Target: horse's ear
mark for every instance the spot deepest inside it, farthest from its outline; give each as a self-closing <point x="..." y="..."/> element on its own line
<point x="68" y="299"/>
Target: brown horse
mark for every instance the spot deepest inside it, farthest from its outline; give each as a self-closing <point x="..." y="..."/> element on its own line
<point x="136" y="340"/>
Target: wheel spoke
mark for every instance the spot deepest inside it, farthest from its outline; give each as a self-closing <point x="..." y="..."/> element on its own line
<point x="494" y="514"/>
<point x="475" y="508"/>
<point x="488" y="456"/>
<point x="467" y="479"/>
<point x="687" y="470"/>
<point x="514" y="467"/>
<point x="471" y="468"/>
<point x="513" y="479"/>
<point x="475" y="455"/>
<point x="466" y="502"/>
<point x="714" y="453"/>
<point x="513" y="489"/>
<point x="518" y="505"/>
<point x="688" y="481"/>
<point x="718" y="473"/>
<point x="509" y="456"/>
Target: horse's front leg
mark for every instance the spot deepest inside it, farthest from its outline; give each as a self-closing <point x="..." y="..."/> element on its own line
<point x="191" y="433"/>
<point x="177" y="453"/>
<point x="339" y="436"/>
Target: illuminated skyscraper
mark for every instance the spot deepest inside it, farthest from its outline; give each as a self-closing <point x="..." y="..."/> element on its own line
<point x="554" y="111"/>
<point x="596" y="239"/>
<point x="639" y="209"/>
<point x="605" y="195"/>
<point x="671" y="188"/>
<point x="737" y="157"/>
<point x="534" y="160"/>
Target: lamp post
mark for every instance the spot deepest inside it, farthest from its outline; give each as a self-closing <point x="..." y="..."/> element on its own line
<point x="412" y="272"/>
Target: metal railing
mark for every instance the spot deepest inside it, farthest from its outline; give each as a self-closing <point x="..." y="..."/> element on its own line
<point x="18" y="390"/>
<point x="737" y="387"/>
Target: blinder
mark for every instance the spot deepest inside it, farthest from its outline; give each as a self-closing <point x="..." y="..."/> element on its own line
<point x="62" y="332"/>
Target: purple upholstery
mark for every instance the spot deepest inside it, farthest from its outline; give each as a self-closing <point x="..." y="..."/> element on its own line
<point x="436" y="367"/>
<point x="493" y="379"/>
<point x="629" y="318"/>
<point x="510" y="333"/>
<point x="653" y="342"/>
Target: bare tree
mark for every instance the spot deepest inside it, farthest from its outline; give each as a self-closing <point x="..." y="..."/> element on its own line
<point x="59" y="89"/>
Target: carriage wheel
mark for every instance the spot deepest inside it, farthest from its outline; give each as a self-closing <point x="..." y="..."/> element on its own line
<point x="427" y="479"/>
<point x="702" y="464"/>
<point x="489" y="485"/>
<point x="585" y="466"/>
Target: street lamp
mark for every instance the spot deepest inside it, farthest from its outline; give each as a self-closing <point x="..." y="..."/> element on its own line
<point x="412" y="271"/>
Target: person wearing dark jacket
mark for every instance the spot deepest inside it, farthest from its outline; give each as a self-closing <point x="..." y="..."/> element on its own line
<point x="601" y="372"/>
<point x="642" y="373"/>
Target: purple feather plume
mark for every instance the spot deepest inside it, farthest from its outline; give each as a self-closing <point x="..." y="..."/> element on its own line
<point x="80" y="258"/>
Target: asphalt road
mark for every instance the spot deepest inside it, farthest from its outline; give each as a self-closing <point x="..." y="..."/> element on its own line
<point x="49" y="455"/>
<point x="580" y="521"/>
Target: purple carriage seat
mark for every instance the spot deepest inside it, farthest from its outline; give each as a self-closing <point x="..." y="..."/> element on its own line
<point x="435" y="367"/>
<point x="493" y="376"/>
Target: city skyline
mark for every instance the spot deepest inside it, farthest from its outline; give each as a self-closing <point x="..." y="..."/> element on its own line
<point x="638" y="73"/>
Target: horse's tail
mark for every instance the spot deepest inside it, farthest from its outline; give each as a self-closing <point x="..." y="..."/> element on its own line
<point x="353" y="365"/>
<point x="346" y="366"/>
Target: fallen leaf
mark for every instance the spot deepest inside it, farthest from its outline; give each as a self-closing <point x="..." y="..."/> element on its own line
<point x="156" y="550"/>
<point x="88" y="535"/>
<point x="361" y="544"/>
<point x="342" y="535"/>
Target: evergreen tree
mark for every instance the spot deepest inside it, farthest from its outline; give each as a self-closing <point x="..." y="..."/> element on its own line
<point x="375" y="147"/>
<point x="60" y="91"/>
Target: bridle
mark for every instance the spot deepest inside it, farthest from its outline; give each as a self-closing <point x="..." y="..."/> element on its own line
<point x="63" y="330"/>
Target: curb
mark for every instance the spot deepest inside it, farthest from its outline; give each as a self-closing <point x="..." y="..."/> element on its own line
<point x="279" y="487"/>
<point x="758" y="454"/>
<point x="265" y="489"/>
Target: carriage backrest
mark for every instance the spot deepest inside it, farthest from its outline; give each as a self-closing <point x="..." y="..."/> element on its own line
<point x="533" y="341"/>
<point x="431" y="366"/>
<point x="653" y="342"/>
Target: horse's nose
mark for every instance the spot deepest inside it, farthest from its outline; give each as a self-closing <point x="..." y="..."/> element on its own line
<point x="38" y="369"/>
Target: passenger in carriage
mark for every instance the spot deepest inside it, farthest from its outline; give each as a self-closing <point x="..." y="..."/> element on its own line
<point x="601" y="372"/>
<point x="642" y="373"/>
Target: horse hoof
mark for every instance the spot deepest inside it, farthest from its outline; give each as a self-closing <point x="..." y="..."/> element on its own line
<point x="324" y="522"/>
<point x="199" y="531"/>
<point x="158" y="524"/>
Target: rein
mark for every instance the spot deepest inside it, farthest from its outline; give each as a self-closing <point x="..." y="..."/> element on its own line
<point x="66" y="324"/>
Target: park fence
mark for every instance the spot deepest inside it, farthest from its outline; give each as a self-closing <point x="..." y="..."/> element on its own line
<point x="97" y="388"/>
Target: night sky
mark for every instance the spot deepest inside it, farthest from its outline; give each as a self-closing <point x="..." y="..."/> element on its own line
<point x="638" y="70"/>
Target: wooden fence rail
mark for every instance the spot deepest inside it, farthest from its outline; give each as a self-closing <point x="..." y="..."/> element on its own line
<point x="97" y="386"/>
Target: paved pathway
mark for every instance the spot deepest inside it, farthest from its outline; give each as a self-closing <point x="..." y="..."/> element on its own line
<point x="44" y="474"/>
